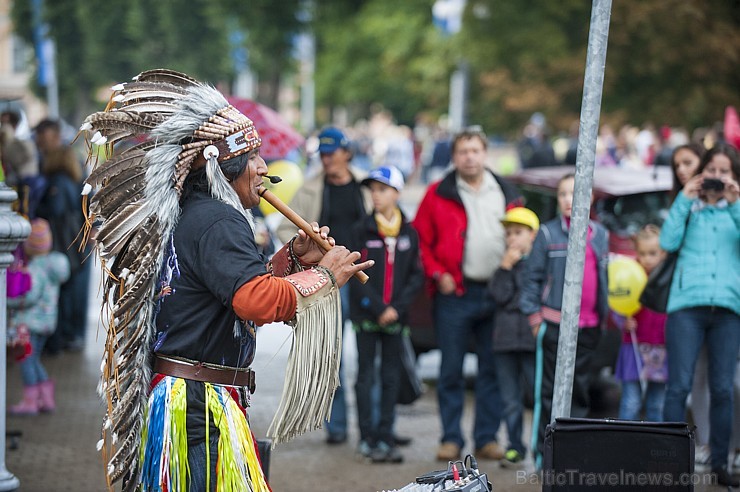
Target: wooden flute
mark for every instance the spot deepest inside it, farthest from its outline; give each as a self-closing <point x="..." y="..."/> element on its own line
<point x="301" y="223"/>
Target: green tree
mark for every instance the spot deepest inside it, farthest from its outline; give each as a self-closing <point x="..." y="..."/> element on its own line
<point x="101" y="43"/>
<point x="381" y="51"/>
<point x="668" y="61"/>
<point x="271" y="29"/>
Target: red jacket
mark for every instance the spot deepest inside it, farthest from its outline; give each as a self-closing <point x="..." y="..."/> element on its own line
<point x="441" y="223"/>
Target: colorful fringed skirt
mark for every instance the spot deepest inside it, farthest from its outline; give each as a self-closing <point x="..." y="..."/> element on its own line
<point x="164" y="443"/>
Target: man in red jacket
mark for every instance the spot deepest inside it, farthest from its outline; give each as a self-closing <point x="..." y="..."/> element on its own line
<point x="462" y="243"/>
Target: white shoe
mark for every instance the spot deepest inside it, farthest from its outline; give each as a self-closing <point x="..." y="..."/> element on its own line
<point x="736" y="462"/>
<point x="702" y="458"/>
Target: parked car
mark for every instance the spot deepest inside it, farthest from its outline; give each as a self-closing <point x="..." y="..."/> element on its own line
<point x="623" y="201"/>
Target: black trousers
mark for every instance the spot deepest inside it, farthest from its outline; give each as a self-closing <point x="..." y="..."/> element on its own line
<point x="390" y="381"/>
<point x="588" y="338"/>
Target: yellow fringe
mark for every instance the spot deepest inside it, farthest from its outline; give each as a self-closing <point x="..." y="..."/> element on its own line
<point x="235" y="438"/>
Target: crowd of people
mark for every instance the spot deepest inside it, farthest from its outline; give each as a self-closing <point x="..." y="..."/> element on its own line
<point x="493" y="271"/>
<point x="496" y="275"/>
<point x="52" y="306"/>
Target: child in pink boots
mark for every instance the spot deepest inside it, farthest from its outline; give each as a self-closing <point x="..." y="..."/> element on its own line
<point x="37" y="310"/>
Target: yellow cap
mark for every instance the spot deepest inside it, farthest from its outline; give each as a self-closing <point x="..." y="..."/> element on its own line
<point x="522" y="215"/>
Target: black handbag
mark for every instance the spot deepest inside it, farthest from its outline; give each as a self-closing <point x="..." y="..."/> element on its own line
<point x="411" y="387"/>
<point x="658" y="287"/>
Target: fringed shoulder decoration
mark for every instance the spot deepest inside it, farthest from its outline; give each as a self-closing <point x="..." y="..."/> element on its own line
<point x="152" y="131"/>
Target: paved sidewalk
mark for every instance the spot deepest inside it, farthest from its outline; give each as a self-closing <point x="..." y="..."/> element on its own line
<point x="57" y="452"/>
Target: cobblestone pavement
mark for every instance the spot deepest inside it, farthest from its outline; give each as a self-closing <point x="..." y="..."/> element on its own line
<point x="57" y="452"/>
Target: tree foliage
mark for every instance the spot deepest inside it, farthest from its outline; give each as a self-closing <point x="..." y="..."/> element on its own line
<point x="381" y="51"/>
<point x="668" y="61"/>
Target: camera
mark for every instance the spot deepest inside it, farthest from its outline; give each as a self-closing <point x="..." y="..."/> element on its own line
<point x="712" y="184"/>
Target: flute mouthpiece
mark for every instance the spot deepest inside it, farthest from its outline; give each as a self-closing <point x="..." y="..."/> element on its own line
<point x="273" y="179"/>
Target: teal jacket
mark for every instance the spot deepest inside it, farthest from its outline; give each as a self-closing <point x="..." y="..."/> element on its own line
<point x="708" y="269"/>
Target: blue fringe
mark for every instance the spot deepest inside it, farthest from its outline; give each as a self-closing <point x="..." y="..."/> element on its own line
<point x="155" y="438"/>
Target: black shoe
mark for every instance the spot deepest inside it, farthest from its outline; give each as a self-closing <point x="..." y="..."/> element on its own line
<point x="336" y="438"/>
<point x="402" y="441"/>
<point x="725" y="478"/>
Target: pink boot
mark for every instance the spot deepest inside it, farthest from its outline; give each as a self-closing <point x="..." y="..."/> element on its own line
<point x="46" y="396"/>
<point x="30" y="403"/>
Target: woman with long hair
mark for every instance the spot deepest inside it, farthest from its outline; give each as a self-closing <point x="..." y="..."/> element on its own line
<point x="703" y="226"/>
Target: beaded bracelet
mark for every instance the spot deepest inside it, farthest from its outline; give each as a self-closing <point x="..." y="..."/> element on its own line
<point x="297" y="261"/>
<point x="327" y="272"/>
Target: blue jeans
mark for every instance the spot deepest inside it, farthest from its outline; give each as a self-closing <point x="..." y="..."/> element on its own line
<point x="32" y="371"/>
<point x="337" y="423"/>
<point x="512" y="367"/>
<point x="457" y="322"/>
<point x="631" y="402"/>
<point x="686" y="331"/>
<point x="197" y="464"/>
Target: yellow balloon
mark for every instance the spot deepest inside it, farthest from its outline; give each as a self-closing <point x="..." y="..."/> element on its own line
<point x="627" y="280"/>
<point x="285" y="190"/>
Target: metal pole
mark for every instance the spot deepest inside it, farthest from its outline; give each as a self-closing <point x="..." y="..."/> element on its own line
<point x="13" y="230"/>
<point x="590" y="107"/>
<point x="459" y="97"/>
<point x="308" y="88"/>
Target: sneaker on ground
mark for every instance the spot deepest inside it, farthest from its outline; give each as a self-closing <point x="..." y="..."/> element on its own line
<point x="336" y="438"/>
<point x="385" y="453"/>
<point x="736" y="461"/>
<point x="702" y="457"/>
<point x="725" y="478"/>
<point x="512" y="459"/>
<point x="364" y="450"/>
<point x="491" y="451"/>
<point x="448" y="451"/>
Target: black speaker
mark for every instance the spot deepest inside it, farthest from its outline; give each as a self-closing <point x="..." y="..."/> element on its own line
<point x="264" y="447"/>
<point x="588" y="455"/>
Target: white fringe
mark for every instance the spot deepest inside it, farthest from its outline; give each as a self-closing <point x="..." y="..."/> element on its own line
<point x="312" y="374"/>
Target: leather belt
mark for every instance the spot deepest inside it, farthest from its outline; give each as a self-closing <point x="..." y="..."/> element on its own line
<point x="205" y="372"/>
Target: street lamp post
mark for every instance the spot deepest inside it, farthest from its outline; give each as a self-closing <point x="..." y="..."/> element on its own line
<point x="13" y="230"/>
<point x="447" y="15"/>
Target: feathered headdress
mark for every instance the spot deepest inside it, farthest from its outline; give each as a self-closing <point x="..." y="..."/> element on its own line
<point x="155" y="130"/>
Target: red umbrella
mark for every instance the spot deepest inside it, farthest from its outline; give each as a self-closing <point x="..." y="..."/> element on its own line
<point x="278" y="137"/>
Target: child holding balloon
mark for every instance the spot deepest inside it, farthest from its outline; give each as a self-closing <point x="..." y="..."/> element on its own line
<point x="642" y="365"/>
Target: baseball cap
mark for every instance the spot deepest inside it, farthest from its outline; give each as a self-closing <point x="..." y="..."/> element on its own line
<point x="388" y="175"/>
<point x="523" y="216"/>
<point x="331" y="139"/>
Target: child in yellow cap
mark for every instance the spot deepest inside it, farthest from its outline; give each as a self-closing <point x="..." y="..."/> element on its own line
<point x="513" y="342"/>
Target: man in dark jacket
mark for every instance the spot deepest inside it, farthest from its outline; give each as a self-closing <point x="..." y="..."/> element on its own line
<point x="462" y="243"/>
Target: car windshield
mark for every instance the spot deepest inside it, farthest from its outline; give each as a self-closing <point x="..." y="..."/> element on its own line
<point x="625" y="215"/>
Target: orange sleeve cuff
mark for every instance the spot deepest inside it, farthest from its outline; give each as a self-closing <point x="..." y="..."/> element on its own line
<point x="265" y="299"/>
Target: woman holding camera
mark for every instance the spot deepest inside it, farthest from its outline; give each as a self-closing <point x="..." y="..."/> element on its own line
<point x="703" y="226"/>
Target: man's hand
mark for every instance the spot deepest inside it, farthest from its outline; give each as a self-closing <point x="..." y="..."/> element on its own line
<point x="446" y="284"/>
<point x="340" y="261"/>
<point x="630" y="324"/>
<point x="306" y="249"/>
<point x="388" y="316"/>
